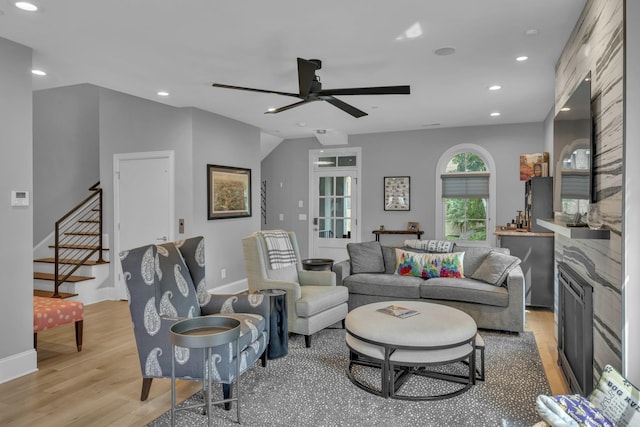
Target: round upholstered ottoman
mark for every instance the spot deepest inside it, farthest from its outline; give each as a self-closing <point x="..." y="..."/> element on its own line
<point x="405" y="338"/>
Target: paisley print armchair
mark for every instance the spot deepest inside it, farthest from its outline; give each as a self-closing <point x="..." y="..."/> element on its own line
<point x="166" y="283"/>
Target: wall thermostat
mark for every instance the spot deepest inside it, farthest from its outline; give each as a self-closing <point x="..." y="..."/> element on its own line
<point x="19" y="198"/>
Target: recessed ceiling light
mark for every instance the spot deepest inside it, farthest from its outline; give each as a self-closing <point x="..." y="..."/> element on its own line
<point x="163" y="93"/>
<point x="565" y="109"/>
<point x="532" y="32"/>
<point x="495" y="114"/>
<point x="38" y="72"/>
<point x="412" y="32"/>
<point x="445" y="51"/>
<point x="495" y="87"/>
<point x="29" y="7"/>
<point x="522" y="58"/>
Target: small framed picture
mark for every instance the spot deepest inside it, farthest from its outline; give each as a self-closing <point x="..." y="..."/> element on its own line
<point x="413" y="226"/>
<point x="396" y="193"/>
<point x="228" y="192"/>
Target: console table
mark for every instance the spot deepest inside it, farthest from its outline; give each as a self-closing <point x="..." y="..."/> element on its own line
<point x="417" y="233"/>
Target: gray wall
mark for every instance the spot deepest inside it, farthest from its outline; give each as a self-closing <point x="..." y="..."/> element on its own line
<point x="17" y="356"/>
<point x="631" y="226"/>
<point x="65" y="152"/>
<point x="410" y="153"/>
<point x="221" y="141"/>
<point x="129" y="124"/>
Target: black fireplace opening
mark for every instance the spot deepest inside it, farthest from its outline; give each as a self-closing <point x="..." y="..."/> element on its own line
<point x="575" y="330"/>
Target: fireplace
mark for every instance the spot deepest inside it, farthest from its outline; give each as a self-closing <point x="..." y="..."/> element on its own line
<point x="575" y="330"/>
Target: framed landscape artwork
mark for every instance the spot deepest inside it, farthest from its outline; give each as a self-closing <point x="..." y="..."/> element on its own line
<point x="396" y="193"/>
<point x="228" y="192"/>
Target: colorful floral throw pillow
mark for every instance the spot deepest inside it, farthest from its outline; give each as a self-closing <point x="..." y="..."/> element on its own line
<point x="428" y="265"/>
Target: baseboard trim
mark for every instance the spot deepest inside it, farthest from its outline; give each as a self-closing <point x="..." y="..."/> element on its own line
<point x="18" y="365"/>
<point x="231" y="288"/>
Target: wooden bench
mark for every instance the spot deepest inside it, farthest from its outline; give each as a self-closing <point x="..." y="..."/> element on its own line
<point x="51" y="312"/>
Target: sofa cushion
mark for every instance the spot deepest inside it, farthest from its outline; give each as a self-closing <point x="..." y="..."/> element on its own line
<point x="385" y="285"/>
<point x="464" y="290"/>
<point x="366" y="257"/>
<point x="389" y="255"/>
<point x="178" y="296"/>
<point x="495" y="268"/>
<point x="428" y="265"/>
<point x="474" y="255"/>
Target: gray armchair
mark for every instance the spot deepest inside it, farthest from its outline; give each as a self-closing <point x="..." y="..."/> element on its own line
<point x="313" y="299"/>
<point x="166" y="283"/>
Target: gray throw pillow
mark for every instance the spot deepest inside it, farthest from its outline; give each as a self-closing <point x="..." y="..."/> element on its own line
<point x="495" y="268"/>
<point x="366" y="257"/>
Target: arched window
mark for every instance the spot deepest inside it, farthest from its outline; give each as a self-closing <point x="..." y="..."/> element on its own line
<point x="465" y="195"/>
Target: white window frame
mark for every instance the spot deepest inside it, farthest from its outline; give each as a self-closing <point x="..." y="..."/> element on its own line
<point x="491" y="169"/>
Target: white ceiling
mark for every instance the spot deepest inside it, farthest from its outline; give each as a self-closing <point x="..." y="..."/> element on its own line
<point x="143" y="46"/>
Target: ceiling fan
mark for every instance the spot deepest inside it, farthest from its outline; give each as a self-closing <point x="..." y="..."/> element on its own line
<point x="311" y="90"/>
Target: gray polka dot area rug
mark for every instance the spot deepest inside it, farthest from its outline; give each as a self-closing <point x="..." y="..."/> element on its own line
<point x="310" y="387"/>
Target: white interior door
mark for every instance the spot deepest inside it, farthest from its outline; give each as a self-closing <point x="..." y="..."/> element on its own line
<point x="143" y="202"/>
<point x="334" y="202"/>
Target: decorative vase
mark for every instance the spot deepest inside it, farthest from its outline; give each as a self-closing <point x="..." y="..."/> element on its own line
<point x="594" y="218"/>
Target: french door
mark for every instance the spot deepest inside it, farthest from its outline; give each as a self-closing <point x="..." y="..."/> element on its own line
<point x="334" y="202"/>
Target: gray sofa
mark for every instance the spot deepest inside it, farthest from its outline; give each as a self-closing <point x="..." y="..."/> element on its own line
<point x="369" y="277"/>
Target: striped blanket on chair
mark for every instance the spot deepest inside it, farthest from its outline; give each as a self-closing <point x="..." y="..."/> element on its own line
<point x="279" y="249"/>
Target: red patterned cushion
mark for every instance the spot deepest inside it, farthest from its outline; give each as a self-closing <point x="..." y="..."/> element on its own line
<point x="51" y="312"/>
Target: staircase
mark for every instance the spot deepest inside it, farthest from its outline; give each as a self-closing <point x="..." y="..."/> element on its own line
<point x="72" y="266"/>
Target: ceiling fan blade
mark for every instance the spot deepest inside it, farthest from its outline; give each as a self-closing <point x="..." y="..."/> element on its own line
<point x="381" y="90"/>
<point x="255" y="90"/>
<point x="287" y="107"/>
<point x="344" y="106"/>
<point x="306" y="73"/>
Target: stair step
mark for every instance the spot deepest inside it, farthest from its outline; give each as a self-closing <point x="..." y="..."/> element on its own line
<point x="49" y="294"/>
<point x="52" y="277"/>
<point x="82" y="233"/>
<point x="70" y="261"/>
<point x="87" y="247"/>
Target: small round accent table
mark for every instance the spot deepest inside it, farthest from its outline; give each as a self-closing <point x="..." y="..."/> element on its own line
<point x="437" y="335"/>
<point x="204" y="332"/>
<point x="317" y="264"/>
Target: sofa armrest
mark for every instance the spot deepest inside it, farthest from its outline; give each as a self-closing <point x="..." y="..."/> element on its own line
<point x="317" y="278"/>
<point x="342" y="270"/>
<point x="516" y="285"/>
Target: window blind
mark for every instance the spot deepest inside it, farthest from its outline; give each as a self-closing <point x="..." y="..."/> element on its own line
<point x="574" y="185"/>
<point x="465" y="185"/>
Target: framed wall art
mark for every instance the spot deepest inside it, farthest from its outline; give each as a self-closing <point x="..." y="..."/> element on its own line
<point x="396" y="193"/>
<point x="228" y="192"/>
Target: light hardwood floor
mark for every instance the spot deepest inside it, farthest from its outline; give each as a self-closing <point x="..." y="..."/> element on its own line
<point x="100" y="386"/>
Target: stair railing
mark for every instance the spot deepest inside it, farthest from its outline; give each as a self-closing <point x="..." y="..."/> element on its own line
<point x="78" y="237"/>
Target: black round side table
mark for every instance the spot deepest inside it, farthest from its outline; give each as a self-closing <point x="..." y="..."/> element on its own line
<point x="317" y="264"/>
<point x="278" y="330"/>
